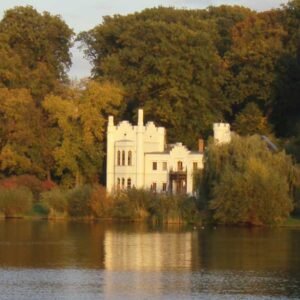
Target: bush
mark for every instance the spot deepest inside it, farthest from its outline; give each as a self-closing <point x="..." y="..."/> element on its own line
<point x="100" y="203"/>
<point x="55" y="199"/>
<point x="31" y="182"/>
<point x="15" y="202"/>
<point x="48" y="185"/>
<point x="163" y="208"/>
<point x="79" y="202"/>
<point x="124" y="206"/>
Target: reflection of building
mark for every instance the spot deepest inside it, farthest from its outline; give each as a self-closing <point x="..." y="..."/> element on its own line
<point x="138" y="156"/>
<point x="143" y="265"/>
<point x="147" y="251"/>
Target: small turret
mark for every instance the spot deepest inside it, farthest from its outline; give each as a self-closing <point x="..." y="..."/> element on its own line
<point x="222" y="133"/>
<point x="110" y="121"/>
<point x="140" y="117"/>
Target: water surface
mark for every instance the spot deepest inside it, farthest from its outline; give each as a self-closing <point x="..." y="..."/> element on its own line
<point x="66" y="260"/>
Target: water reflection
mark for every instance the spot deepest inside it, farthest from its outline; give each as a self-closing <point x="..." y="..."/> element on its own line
<point x="140" y="260"/>
<point x="152" y="251"/>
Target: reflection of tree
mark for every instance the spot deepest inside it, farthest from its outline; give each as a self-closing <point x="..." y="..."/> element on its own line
<point x="45" y="244"/>
<point x="293" y="257"/>
<point x="245" y="249"/>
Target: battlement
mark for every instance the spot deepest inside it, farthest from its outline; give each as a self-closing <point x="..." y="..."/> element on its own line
<point x="221" y="125"/>
<point x="178" y="148"/>
<point x="125" y="126"/>
<point x="150" y="128"/>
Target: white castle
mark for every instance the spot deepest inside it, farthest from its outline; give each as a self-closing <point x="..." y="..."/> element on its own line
<point x="138" y="156"/>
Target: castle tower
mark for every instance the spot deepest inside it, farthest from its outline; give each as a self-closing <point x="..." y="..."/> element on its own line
<point x="110" y="153"/>
<point x="222" y="133"/>
<point x="140" y="150"/>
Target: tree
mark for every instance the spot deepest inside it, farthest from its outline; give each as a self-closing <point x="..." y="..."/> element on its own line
<point x="286" y="117"/>
<point x="258" y="43"/>
<point x="80" y="115"/>
<point x="224" y="18"/>
<point x="19" y="119"/>
<point x="42" y="43"/>
<point x="249" y="184"/>
<point x="168" y="64"/>
<point x="251" y="121"/>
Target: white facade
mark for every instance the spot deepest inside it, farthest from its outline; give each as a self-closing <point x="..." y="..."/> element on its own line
<point x="222" y="133"/>
<point x="137" y="156"/>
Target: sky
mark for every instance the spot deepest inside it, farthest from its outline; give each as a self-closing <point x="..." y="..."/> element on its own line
<point x="82" y="15"/>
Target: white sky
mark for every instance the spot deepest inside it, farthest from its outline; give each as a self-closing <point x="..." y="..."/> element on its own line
<point x="85" y="14"/>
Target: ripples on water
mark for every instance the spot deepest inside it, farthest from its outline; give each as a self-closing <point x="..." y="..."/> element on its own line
<point x="41" y="260"/>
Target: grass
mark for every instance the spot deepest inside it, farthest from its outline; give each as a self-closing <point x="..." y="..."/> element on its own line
<point x="292" y="221"/>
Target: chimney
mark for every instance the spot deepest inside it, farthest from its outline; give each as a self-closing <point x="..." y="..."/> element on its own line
<point x="201" y="145"/>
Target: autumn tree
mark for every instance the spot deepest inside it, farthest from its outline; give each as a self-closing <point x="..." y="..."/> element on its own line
<point x="19" y="119"/>
<point x="251" y="121"/>
<point x="39" y="45"/>
<point x="80" y="115"/>
<point x="258" y="43"/>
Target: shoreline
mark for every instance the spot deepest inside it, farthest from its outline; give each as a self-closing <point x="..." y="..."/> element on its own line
<point x="291" y="222"/>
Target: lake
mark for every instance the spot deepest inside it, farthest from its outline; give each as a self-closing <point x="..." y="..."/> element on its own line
<point x="73" y="260"/>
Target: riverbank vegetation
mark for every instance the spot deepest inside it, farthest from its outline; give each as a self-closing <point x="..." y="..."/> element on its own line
<point x="187" y="69"/>
<point x="92" y="202"/>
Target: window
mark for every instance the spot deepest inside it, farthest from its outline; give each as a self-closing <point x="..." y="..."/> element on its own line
<point x="118" y="183"/>
<point x="153" y="187"/>
<point x="164" y="166"/>
<point x="195" y="166"/>
<point x="129" y="183"/>
<point x="154" y="165"/>
<point x="129" y="159"/>
<point x="119" y="158"/>
<point x="123" y="158"/>
<point x="164" y="187"/>
<point x="179" y="166"/>
<point x="123" y="183"/>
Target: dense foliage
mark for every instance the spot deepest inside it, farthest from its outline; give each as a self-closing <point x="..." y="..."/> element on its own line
<point x="247" y="183"/>
<point x="186" y="68"/>
<point x="168" y="62"/>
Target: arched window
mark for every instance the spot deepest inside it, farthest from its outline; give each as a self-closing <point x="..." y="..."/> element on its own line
<point x="123" y="158"/>
<point x="119" y="158"/>
<point x="179" y="166"/>
<point x="129" y="159"/>
<point x="123" y="183"/>
<point x="129" y="183"/>
<point x="118" y="183"/>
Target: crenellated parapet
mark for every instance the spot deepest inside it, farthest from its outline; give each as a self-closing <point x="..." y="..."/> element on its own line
<point x="221" y="126"/>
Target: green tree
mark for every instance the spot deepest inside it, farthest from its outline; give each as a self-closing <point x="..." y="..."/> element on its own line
<point x="249" y="184"/>
<point x="286" y="117"/>
<point x="42" y="43"/>
<point x="251" y="121"/>
<point x="224" y="18"/>
<point x="167" y="62"/>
